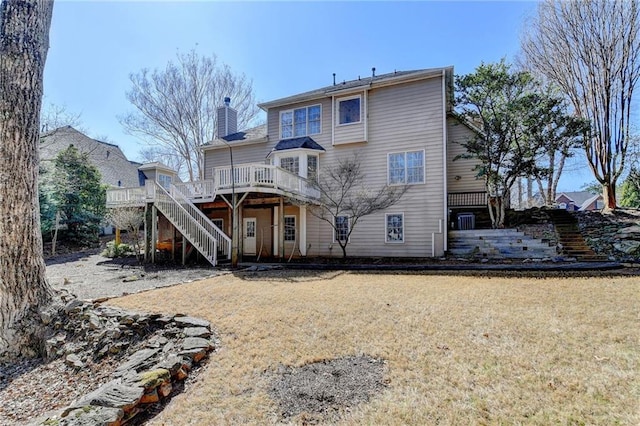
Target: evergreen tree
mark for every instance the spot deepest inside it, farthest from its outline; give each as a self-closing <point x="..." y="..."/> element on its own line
<point x="78" y="194"/>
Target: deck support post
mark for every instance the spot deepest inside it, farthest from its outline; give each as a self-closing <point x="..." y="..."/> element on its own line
<point x="173" y="245"/>
<point x="302" y="235"/>
<point x="234" y="230"/>
<point x="154" y="232"/>
<point x="148" y="229"/>
<point x="281" y="228"/>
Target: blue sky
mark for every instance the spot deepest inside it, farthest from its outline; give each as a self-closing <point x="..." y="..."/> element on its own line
<point x="284" y="47"/>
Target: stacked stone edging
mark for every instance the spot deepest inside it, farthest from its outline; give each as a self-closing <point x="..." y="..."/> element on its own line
<point x="157" y="352"/>
<point x="615" y="235"/>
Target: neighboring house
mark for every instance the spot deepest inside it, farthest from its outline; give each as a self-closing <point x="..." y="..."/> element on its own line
<point x="581" y="200"/>
<point x="115" y="169"/>
<point x="403" y="130"/>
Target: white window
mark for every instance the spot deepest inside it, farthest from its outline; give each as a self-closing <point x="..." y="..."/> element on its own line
<point x="349" y="110"/>
<point x="300" y="122"/>
<point x="394" y="228"/>
<point x="164" y="180"/>
<point x="341" y="231"/>
<point x="291" y="164"/>
<point x="289" y="228"/>
<point x="312" y="168"/>
<point x="405" y="167"/>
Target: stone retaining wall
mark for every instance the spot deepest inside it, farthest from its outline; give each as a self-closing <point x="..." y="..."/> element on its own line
<point x="156" y="352"/>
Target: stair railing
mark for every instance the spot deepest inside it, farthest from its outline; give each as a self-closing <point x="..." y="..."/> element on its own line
<point x="188" y="226"/>
<point x="223" y="241"/>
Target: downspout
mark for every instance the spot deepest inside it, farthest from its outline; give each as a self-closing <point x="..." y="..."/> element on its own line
<point x="366" y="113"/>
<point x="333" y="124"/>
<point x="444" y="160"/>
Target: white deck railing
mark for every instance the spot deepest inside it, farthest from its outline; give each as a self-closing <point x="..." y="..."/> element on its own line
<point x="263" y="175"/>
<point x="188" y="225"/>
<point x="246" y="176"/>
<point x="126" y="196"/>
<point x="198" y="190"/>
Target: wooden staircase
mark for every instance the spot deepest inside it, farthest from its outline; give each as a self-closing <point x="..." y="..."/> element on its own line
<point x="570" y="237"/>
<point x="207" y="238"/>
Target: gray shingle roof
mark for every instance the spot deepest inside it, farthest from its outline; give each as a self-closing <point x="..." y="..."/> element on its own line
<point x="253" y="133"/>
<point x="303" y="142"/>
<point x="107" y="157"/>
<point x="249" y="136"/>
<point x="360" y="82"/>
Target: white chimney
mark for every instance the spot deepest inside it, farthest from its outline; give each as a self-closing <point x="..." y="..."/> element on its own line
<point x="227" y="119"/>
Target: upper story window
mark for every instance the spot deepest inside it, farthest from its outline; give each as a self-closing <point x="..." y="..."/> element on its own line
<point x="291" y="164"/>
<point x="349" y="110"/>
<point x="164" y="180"/>
<point x="405" y="167"/>
<point x="300" y="122"/>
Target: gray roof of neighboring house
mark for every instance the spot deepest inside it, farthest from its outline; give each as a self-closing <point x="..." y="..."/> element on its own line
<point x="106" y="157"/>
<point x="353" y="84"/>
<point x="578" y="197"/>
<point x="303" y="142"/>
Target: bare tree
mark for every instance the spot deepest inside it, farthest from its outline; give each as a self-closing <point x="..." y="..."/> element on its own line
<point x="591" y="49"/>
<point x="130" y="219"/>
<point x="165" y="156"/>
<point x="176" y="107"/>
<point x="55" y="116"/>
<point x="345" y="198"/>
<point x="24" y="41"/>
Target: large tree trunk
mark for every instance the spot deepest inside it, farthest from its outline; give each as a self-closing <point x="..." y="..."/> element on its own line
<point x="24" y="34"/>
<point x="609" y="196"/>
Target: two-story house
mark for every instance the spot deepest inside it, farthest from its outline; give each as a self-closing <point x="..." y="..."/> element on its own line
<point x="403" y="131"/>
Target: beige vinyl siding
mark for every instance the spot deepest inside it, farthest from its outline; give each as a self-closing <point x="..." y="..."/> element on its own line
<point x="250" y="153"/>
<point x="349" y="133"/>
<point x="405" y="117"/>
<point x="462" y="167"/>
<point x="150" y="174"/>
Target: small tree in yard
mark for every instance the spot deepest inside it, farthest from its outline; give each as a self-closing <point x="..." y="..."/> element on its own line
<point x="344" y="197"/>
<point x="130" y="219"/>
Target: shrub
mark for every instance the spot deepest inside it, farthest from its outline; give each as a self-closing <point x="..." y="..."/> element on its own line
<point x="118" y="250"/>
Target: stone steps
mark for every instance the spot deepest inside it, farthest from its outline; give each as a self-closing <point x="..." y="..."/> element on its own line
<point x="570" y="238"/>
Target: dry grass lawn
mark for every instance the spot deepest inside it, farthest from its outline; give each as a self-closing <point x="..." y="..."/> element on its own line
<point x="459" y="350"/>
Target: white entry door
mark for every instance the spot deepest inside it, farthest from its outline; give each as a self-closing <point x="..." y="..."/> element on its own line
<point x="249" y="235"/>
